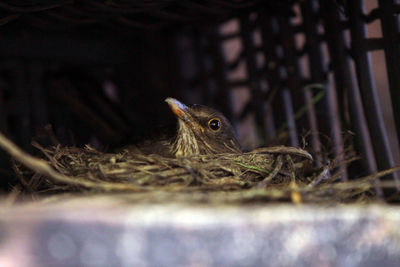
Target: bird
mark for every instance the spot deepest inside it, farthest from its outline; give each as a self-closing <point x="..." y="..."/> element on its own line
<point x="201" y="130"/>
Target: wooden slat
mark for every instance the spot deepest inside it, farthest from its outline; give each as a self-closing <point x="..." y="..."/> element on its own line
<point x="272" y="65"/>
<point x="250" y="53"/>
<point x="370" y="98"/>
<point x="343" y="81"/>
<point x="390" y="30"/>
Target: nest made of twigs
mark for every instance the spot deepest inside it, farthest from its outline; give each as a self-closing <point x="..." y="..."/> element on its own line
<point x="274" y="173"/>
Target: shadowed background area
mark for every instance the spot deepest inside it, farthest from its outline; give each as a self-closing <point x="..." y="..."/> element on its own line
<point x="318" y="74"/>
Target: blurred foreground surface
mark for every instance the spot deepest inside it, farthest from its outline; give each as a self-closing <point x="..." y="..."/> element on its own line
<point x="112" y="231"/>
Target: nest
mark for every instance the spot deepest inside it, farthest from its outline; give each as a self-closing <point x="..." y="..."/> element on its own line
<point x="274" y="173"/>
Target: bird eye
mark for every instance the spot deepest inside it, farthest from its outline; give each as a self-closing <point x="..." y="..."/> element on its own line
<point x="214" y="124"/>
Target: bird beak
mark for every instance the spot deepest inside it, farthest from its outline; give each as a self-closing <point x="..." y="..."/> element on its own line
<point x="178" y="108"/>
<point x="183" y="113"/>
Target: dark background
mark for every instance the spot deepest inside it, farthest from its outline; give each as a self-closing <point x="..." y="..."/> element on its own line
<point x="97" y="72"/>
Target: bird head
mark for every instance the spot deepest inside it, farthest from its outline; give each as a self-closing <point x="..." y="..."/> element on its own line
<point x="201" y="130"/>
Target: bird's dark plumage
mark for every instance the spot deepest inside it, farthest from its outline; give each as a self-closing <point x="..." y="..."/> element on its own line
<point x="201" y="130"/>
